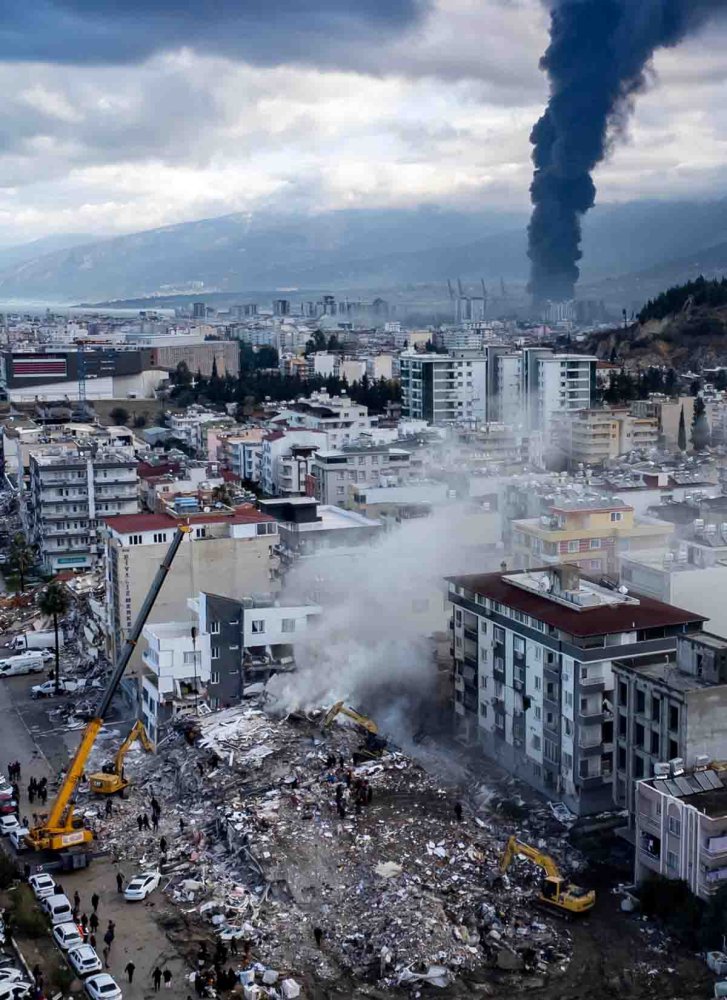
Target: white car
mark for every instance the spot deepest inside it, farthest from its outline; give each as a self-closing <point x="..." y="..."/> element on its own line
<point x="67" y="936"/>
<point x="141" y="885"/>
<point x="16" y="991"/>
<point x="48" y="655"/>
<point x="6" y="793"/>
<point x="84" y="960"/>
<point x="42" y="885"/>
<point x="11" y="975"/>
<point x="100" y="987"/>
<point x="8" y="823"/>
<point x="17" y="838"/>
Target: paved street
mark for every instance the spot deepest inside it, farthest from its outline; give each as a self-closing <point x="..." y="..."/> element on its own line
<point x="138" y="937"/>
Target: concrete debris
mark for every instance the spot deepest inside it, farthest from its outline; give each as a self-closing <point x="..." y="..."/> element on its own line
<point x="312" y="869"/>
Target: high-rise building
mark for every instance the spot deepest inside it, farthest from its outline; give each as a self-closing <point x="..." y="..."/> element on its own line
<point x="444" y="388"/>
<point x="281" y="307"/>
<point x="199" y="310"/>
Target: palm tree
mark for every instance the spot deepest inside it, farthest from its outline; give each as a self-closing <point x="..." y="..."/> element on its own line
<point x="54" y="602"/>
<point x="22" y="555"/>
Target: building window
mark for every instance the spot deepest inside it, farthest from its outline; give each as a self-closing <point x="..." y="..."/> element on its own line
<point x="621" y="760"/>
<point x="640" y="702"/>
<point x="214" y="628"/>
<point x="655" y="744"/>
<point x="192" y="659"/>
<point x="655" y="708"/>
<point x="288" y="625"/>
<point x="538" y="712"/>
<point x="200" y="532"/>
<point x="638" y="767"/>
<point x="518" y="645"/>
<point x="568" y="727"/>
<point x="160" y="536"/>
<point x="537" y="683"/>
<point x="674" y="717"/>
<point x="214" y="652"/>
<point x="568" y="762"/>
<point x="673" y="749"/>
<point x="258" y="626"/>
<point x="623" y="693"/>
<point x="672" y="860"/>
<point x="638" y="734"/>
<point x="595" y="543"/>
<point x="616" y="515"/>
<point x="483" y="710"/>
<point x="573" y="546"/>
<point x="536" y="742"/>
<point x="499" y="634"/>
<point x="134" y="539"/>
<point x="214" y="677"/>
<point x="675" y="826"/>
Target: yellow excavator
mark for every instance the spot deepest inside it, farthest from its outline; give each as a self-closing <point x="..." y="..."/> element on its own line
<point x="373" y="745"/>
<point x="555" y="893"/>
<point x="111" y="779"/>
<point x="61" y="828"/>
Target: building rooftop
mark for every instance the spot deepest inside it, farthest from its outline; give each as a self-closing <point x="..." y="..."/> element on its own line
<point x="332" y="518"/>
<point x="663" y="668"/>
<point x="590" y="502"/>
<point x="597" y="615"/>
<point x="704" y="789"/>
<point x="126" y="524"/>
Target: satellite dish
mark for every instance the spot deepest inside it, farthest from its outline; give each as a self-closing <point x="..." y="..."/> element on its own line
<point x="623" y="590"/>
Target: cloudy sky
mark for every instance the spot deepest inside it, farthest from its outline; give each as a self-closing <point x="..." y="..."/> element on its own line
<point x="118" y="115"/>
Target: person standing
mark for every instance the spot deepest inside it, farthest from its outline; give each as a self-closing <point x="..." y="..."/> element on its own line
<point x="129" y="970"/>
<point x="140" y="822"/>
<point x="93" y="921"/>
<point x="157" y="978"/>
<point x="167" y="979"/>
<point x="163" y="845"/>
<point x="95" y="900"/>
<point x="119" y="882"/>
<point x="77" y="900"/>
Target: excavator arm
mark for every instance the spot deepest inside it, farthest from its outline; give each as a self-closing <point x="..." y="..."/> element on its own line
<point x="515" y="848"/>
<point x="340" y="709"/>
<point x="137" y="732"/>
<point x="58" y="830"/>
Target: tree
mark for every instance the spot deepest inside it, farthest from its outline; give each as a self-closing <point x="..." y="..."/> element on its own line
<point x="682" y="435"/>
<point x="182" y="376"/>
<point x="700" y="425"/>
<point x="139" y="420"/>
<point x="119" y="416"/>
<point x="54" y="603"/>
<point x="266" y="357"/>
<point x="22" y="556"/>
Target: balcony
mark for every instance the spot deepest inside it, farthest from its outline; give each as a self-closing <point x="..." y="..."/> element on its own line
<point x="593" y="683"/>
<point x="716" y="848"/>
<point x="471" y="634"/>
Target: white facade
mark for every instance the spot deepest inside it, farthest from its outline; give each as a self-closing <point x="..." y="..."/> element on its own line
<point x="443" y="388"/>
<point x="343" y="420"/>
<point x="176" y="669"/>
<point x="286" y="460"/>
<point x="563" y="383"/>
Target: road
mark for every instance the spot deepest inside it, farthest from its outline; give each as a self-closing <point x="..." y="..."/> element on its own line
<point x="27" y="736"/>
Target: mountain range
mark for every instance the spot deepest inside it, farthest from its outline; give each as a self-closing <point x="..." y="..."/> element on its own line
<point x="630" y="251"/>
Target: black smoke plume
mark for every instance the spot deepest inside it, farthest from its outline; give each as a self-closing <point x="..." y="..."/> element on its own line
<point x="597" y="63"/>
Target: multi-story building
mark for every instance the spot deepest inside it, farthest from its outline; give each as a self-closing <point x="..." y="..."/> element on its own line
<point x="286" y="461"/>
<point x="241" y="453"/>
<point x="595" y="437"/>
<point x="72" y="490"/>
<point x="533" y="653"/>
<point x="229" y="551"/>
<point x="444" y="388"/>
<point x="555" y="384"/>
<point x="335" y="474"/>
<point x="681" y="826"/>
<point x="207" y="661"/>
<point x="338" y="416"/>
<point x="321" y="364"/>
<point x="589" y="530"/>
<point x="667" y="707"/>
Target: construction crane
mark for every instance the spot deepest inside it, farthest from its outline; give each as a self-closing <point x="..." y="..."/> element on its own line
<point x="61" y="829"/>
<point x="373" y="745"/>
<point x="555" y="893"/>
<point x="111" y="778"/>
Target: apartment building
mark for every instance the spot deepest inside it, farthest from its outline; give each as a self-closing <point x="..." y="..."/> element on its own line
<point x="307" y="528"/>
<point x="207" y="661"/>
<point x="72" y="489"/>
<point x="339" y="417"/>
<point x="681" y="827"/>
<point x="533" y="679"/>
<point x="667" y="707"/>
<point x="286" y="461"/>
<point x="596" y="437"/>
<point x="587" y="529"/>
<point x="228" y="551"/>
<point x="241" y="453"/>
<point x="444" y="388"/>
<point x="192" y="425"/>
<point x="336" y="474"/>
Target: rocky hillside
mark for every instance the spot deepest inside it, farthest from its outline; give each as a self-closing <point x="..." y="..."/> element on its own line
<point x="685" y="327"/>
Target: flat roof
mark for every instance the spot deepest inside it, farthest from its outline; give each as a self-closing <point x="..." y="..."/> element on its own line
<point x="126" y="524"/>
<point x="704" y="790"/>
<point x="663" y="668"/>
<point x="602" y="620"/>
<point x="333" y="518"/>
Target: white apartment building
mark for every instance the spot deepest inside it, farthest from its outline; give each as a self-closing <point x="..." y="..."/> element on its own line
<point x="286" y="461"/>
<point x="336" y="474"/>
<point x="339" y="417"/>
<point x="175" y="674"/>
<point x="241" y="453"/>
<point x="557" y="384"/>
<point x="190" y="426"/>
<point x="321" y="364"/>
<point x="72" y="490"/>
<point x="444" y="388"/>
<point x="533" y="679"/>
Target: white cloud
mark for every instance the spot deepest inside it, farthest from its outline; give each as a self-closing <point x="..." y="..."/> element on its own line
<point x="441" y="113"/>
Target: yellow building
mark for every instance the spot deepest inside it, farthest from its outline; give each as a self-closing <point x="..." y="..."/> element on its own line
<point x="589" y="531"/>
<point x="594" y="437"/>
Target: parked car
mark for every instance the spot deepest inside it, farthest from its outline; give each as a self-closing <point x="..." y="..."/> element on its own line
<point x="100" y="987"/>
<point x="16" y="991"/>
<point x="67" y="936"/>
<point x="84" y="960"/>
<point x="141" y="885"/>
<point x="58" y="908"/>
<point x="17" y="838"/>
<point x="47" y="689"/>
<point x="42" y="885"/>
<point x="6" y="793"/>
<point x="8" y="823"/>
<point x="11" y="975"/>
<point x="8" y="807"/>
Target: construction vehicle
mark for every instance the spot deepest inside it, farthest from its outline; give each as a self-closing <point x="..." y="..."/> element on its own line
<point x="111" y="779"/>
<point x="60" y="828"/>
<point x="373" y="746"/>
<point x="555" y="893"/>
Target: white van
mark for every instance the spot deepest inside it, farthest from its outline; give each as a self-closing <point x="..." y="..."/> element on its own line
<point x="32" y="662"/>
<point x="58" y="907"/>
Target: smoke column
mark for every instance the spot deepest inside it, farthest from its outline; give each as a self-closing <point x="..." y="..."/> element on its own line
<point x="597" y="62"/>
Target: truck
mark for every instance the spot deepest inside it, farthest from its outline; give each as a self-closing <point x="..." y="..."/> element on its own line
<point x="37" y="640"/>
<point x="32" y="662"/>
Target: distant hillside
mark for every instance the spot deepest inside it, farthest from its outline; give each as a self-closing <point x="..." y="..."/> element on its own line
<point x="683" y="327"/>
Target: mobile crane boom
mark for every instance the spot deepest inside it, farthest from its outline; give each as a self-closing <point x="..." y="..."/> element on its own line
<point x="60" y="829"/>
<point x="555" y="893"/>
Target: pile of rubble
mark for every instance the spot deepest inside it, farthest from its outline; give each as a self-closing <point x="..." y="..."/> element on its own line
<point x="320" y="869"/>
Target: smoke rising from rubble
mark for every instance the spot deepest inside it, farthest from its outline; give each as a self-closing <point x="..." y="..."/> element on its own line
<point x="381" y="603"/>
<point x="597" y="63"/>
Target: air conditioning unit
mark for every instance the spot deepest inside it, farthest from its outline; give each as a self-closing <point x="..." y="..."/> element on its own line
<point x="676" y="767"/>
<point x="661" y="770"/>
<point x="701" y="762"/>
